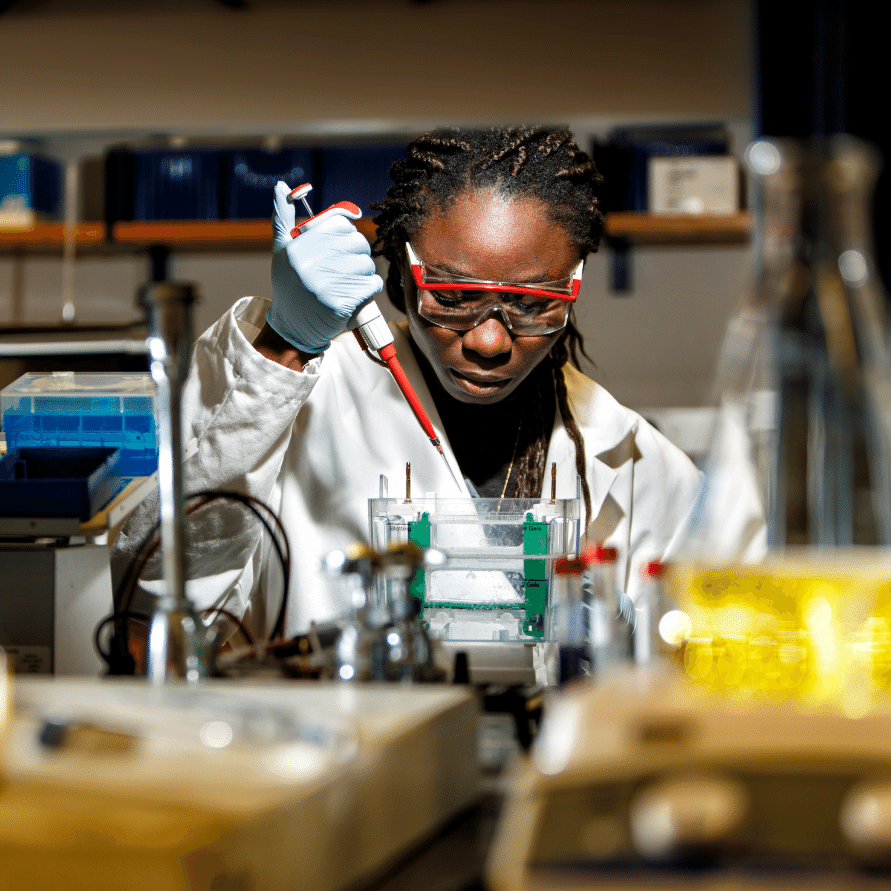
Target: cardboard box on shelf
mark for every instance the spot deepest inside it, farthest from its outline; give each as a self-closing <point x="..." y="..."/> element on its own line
<point x="704" y="185"/>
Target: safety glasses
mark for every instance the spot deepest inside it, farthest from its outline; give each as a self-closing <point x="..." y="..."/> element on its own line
<point x="459" y="303"/>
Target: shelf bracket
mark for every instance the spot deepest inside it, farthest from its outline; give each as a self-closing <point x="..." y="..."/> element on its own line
<point x="620" y="266"/>
<point x="159" y="258"/>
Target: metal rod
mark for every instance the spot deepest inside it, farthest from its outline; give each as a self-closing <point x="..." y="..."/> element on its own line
<point x="176" y="634"/>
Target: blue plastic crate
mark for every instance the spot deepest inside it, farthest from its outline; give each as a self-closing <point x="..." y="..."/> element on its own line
<point x="98" y="410"/>
<point x="30" y="183"/>
<point x="357" y="173"/>
<point x="51" y="482"/>
<point x="176" y="185"/>
<point x="251" y="175"/>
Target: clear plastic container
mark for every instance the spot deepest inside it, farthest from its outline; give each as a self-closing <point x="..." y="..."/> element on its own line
<point x="100" y="409"/>
<point x="496" y="583"/>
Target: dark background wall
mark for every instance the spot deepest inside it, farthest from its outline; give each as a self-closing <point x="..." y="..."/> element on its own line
<point x="819" y="71"/>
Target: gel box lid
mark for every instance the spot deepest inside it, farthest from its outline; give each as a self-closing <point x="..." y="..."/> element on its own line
<point x="56" y="482"/>
<point x="85" y="410"/>
<point x="66" y="391"/>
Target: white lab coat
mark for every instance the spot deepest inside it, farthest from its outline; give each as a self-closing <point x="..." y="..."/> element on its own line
<point x="314" y="445"/>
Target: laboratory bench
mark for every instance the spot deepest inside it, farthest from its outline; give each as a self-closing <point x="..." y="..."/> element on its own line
<point x="491" y="830"/>
<point x="455" y="858"/>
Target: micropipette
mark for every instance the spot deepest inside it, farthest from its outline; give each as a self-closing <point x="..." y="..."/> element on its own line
<point x="369" y="322"/>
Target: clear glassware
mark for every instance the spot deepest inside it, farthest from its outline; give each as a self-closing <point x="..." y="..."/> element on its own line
<point x="801" y="448"/>
<point x="829" y="349"/>
<point x="806" y="616"/>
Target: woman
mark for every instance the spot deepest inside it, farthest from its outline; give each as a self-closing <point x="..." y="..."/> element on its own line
<point x="280" y="412"/>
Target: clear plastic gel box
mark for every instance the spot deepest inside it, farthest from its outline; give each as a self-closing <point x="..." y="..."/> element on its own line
<point x="495" y="585"/>
<point x="100" y="409"/>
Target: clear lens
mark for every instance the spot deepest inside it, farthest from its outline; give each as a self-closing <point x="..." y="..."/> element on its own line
<point x="522" y="314"/>
<point x="459" y="304"/>
<point x="434" y="276"/>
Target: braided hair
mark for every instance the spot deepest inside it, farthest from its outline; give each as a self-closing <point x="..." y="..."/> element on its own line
<point x="540" y="163"/>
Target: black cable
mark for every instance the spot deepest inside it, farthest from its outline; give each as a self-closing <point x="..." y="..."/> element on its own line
<point x="284" y="555"/>
<point x="127" y="587"/>
<point x="119" y="658"/>
<point x="243" y="629"/>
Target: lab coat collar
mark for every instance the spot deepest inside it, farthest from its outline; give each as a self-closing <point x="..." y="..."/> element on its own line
<point x="603" y="421"/>
<point x="604" y="425"/>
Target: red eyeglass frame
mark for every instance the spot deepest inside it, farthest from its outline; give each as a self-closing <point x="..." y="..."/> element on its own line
<point x="472" y="284"/>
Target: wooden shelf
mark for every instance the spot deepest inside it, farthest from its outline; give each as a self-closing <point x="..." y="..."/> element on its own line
<point x="638" y="228"/>
<point x="50" y="236"/>
<point x="194" y="233"/>
<point x="211" y="234"/>
<point x="646" y="228"/>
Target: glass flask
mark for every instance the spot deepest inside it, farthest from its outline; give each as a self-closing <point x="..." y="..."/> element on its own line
<point x="829" y="483"/>
<point x="801" y="448"/>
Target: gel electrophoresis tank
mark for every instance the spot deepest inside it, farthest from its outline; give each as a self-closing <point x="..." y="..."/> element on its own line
<point x="495" y="585"/>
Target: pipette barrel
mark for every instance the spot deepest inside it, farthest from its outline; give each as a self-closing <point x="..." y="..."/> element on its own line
<point x="414" y="403"/>
<point x="388" y="354"/>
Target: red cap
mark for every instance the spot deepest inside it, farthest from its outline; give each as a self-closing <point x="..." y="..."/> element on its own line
<point x="569" y="565"/>
<point x="596" y="553"/>
<point x="600" y="553"/>
<point x="653" y="570"/>
<point x="300" y="191"/>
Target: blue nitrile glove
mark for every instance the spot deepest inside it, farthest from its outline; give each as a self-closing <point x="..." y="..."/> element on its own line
<point x="319" y="279"/>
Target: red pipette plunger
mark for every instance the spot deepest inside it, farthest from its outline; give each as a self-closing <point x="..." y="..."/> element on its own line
<point x="370" y="324"/>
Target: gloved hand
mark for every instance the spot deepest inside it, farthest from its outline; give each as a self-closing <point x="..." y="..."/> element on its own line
<point x="319" y="279"/>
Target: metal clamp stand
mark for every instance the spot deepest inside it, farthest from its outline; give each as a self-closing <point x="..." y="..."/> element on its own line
<point x="176" y="645"/>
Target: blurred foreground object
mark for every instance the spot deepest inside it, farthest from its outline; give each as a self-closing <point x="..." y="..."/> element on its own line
<point x="177" y="647"/>
<point x="801" y="610"/>
<point x="658" y="784"/>
<point x="124" y="784"/>
<point x="810" y="347"/>
<point x="383" y="639"/>
<point x="831" y="483"/>
<point x="808" y="625"/>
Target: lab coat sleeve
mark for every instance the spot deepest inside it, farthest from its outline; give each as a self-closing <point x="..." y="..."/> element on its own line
<point x="740" y="531"/>
<point x="238" y="416"/>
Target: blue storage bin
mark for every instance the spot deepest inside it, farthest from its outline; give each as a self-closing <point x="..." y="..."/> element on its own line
<point x="251" y="175"/>
<point x="53" y="482"/>
<point x="99" y="409"/>
<point x="176" y="185"/>
<point x="30" y="186"/>
<point x="357" y="173"/>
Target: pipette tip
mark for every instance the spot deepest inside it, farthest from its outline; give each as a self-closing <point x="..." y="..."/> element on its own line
<point x="441" y="452"/>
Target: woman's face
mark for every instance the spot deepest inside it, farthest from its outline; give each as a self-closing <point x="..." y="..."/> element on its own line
<point x="484" y="236"/>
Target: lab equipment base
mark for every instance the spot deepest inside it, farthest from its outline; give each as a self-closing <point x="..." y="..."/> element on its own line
<point x="51" y="600"/>
<point x="578" y="814"/>
<point x="144" y="804"/>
